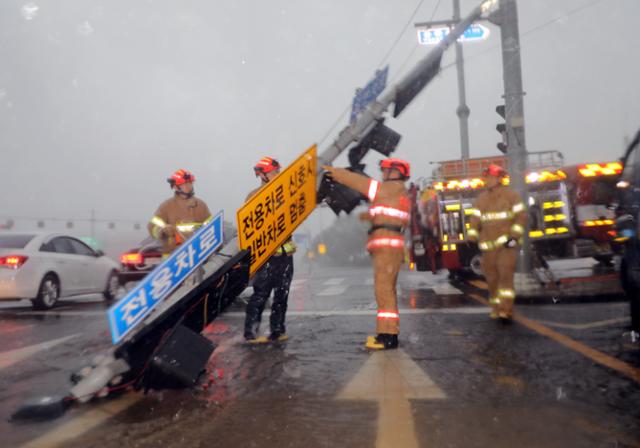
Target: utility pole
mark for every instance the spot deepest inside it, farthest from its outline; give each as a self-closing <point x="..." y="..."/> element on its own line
<point x="93" y="223"/>
<point x="463" y="110"/>
<point x="514" y="112"/>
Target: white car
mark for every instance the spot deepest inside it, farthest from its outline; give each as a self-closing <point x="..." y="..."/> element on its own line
<point x="44" y="267"/>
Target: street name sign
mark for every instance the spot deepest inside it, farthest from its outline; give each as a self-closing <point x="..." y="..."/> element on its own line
<point x="166" y="277"/>
<point x="369" y="93"/>
<point x="433" y="36"/>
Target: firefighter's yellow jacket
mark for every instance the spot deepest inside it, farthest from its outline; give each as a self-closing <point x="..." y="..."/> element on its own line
<point x="499" y="214"/>
<point x="390" y="206"/>
<point x="186" y="215"/>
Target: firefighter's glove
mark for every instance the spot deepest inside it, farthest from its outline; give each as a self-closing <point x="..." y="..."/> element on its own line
<point x="364" y="216"/>
<point x="167" y="231"/>
<point x="329" y="171"/>
<point x="511" y="243"/>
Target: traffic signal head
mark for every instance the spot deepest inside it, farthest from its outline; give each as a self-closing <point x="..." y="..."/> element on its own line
<point x="380" y="138"/>
<point x="337" y="196"/>
<point x="502" y="129"/>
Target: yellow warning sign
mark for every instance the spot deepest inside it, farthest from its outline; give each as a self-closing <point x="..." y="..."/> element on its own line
<point x="268" y="219"/>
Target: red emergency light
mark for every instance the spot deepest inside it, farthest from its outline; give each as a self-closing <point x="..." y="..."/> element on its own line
<point x="133" y="258"/>
<point x="600" y="169"/>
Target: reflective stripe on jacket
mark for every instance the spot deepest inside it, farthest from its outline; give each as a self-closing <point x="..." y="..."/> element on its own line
<point x="186" y="215"/>
<point x="499" y="214"/>
<point x="390" y="206"/>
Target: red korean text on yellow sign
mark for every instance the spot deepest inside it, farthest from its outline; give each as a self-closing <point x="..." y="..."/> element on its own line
<point x="268" y="219"/>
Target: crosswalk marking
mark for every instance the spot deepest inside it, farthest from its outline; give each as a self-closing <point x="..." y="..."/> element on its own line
<point x="333" y="281"/>
<point x="12" y="357"/>
<point x="96" y="415"/>
<point x="445" y="288"/>
<point x="372" y="312"/>
<point x="587" y="326"/>
<point x="333" y="290"/>
<point x="57" y="313"/>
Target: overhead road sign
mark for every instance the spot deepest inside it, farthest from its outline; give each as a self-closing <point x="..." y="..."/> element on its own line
<point x="369" y="93"/>
<point x="125" y="315"/>
<point x="268" y="219"/>
<point x="433" y="36"/>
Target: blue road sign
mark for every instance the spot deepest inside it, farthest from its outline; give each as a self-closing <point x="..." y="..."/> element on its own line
<point x="432" y="36"/>
<point x="369" y="93"/>
<point x="157" y="285"/>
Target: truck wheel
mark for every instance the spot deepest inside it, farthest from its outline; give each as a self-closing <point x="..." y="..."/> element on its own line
<point x="475" y="265"/>
<point x="48" y="293"/>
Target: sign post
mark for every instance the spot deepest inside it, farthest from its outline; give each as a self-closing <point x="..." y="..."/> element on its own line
<point x="125" y="315"/>
<point x="268" y="219"/>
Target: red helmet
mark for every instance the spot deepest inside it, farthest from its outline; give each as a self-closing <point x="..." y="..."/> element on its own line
<point x="181" y="177"/>
<point x="266" y="165"/>
<point x="401" y="165"/>
<point x="494" y="171"/>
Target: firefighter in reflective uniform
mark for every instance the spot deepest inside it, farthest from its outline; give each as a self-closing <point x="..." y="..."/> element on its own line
<point x="179" y="217"/>
<point x="497" y="224"/>
<point x="274" y="275"/>
<point x="388" y="214"/>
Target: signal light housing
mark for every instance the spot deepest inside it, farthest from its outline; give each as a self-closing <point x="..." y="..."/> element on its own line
<point x="337" y="196"/>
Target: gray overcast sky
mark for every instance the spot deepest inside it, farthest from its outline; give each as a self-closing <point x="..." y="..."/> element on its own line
<point x="100" y="100"/>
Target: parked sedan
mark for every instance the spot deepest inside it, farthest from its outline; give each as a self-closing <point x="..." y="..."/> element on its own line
<point x="45" y="267"/>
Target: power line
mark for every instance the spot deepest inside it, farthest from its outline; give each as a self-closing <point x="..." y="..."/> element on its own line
<point x="404" y="28"/>
<point x="468" y="58"/>
<point x="386" y="56"/>
<point x="533" y="30"/>
<point x="415" y="46"/>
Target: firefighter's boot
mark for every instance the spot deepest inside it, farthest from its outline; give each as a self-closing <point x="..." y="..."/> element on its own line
<point x="258" y="340"/>
<point x="278" y="337"/>
<point x="382" y="341"/>
<point x="495" y="308"/>
<point x="506" y="310"/>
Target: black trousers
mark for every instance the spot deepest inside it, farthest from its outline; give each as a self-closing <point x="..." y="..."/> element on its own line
<point x="275" y="275"/>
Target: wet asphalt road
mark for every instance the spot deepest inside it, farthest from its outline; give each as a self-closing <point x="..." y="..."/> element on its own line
<point x="459" y="379"/>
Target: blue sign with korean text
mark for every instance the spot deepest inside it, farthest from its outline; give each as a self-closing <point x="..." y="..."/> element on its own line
<point x="157" y="285"/>
<point x="433" y="36"/>
<point x="369" y="93"/>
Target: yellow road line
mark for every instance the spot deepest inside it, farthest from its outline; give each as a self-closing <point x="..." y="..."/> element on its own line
<point x="601" y="358"/>
<point x="481" y="284"/>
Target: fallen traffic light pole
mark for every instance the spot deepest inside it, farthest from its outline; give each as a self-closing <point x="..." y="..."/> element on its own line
<point x="151" y="353"/>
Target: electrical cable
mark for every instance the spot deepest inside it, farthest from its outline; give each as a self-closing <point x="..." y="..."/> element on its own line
<point x="468" y="58"/>
<point x="533" y="30"/>
<point x="382" y="61"/>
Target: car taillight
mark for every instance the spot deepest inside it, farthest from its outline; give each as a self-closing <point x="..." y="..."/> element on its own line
<point x="13" y="261"/>
<point x="135" y="258"/>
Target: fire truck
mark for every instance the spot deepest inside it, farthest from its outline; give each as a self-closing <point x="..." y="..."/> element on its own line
<point x="568" y="213"/>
